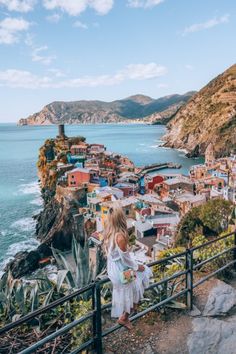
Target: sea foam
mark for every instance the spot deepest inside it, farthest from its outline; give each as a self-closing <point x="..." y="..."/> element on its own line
<point x="29" y="188"/>
<point x="25" y="224"/>
<point x="27" y="245"/>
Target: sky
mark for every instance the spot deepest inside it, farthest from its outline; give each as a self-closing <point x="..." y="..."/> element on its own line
<point x="65" y="50"/>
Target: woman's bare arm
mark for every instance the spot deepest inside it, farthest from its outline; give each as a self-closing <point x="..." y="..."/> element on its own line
<point x="122" y="243"/>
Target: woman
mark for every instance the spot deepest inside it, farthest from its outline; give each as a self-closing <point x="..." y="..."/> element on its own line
<point x="125" y="296"/>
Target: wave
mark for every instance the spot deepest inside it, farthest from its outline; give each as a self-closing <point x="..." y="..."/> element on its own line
<point x="37" y="201"/>
<point x="25" y="224"/>
<point x="13" y="249"/>
<point x="3" y="233"/>
<point x="28" y="245"/>
<point x="29" y="188"/>
<point x="154" y="146"/>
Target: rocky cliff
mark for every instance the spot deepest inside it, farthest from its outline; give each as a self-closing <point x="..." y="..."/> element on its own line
<point x="60" y="219"/>
<point x="209" y="116"/>
<point x="133" y="107"/>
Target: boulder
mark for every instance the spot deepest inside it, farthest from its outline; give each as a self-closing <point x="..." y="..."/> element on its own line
<point x="221" y="300"/>
<point x="27" y="262"/>
<point x="23" y="263"/>
<point x="212" y="336"/>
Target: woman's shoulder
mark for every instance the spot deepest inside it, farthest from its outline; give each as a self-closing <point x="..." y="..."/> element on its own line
<point x="121" y="241"/>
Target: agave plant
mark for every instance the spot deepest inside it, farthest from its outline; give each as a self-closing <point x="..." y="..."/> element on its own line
<point x="75" y="267"/>
<point x="18" y="297"/>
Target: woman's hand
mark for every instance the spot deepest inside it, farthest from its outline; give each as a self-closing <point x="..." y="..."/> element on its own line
<point x="141" y="268"/>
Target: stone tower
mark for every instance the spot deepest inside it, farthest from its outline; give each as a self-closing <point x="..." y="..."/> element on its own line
<point x="61" y="131"/>
<point x="210" y="154"/>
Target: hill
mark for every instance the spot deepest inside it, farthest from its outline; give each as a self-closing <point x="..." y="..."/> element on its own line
<point x="128" y="109"/>
<point x="209" y="116"/>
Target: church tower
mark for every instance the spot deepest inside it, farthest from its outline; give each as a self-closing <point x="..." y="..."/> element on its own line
<point x="210" y="154"/>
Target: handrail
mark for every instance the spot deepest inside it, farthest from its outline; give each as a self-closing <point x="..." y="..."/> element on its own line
<point x="96" y="312"/>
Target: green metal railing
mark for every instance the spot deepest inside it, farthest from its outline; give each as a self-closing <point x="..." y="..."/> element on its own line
<point x="96" y="342"/>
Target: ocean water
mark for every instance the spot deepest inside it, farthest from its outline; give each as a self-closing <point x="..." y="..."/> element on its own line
<point x="19" y="190"/>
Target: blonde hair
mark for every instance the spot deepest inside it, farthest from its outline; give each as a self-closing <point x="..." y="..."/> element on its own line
<point x="115" y="223"/>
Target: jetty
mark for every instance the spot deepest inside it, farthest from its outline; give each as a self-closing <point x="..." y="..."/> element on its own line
<point x="156" y="167"/>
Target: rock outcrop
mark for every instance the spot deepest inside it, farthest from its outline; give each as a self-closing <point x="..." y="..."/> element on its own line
<point x="134" y="107"/>
<point x="215" y="335"/>
<point x="212" y="336"/>
<point x="208" y="117"/>
<point x="221" y="300"/>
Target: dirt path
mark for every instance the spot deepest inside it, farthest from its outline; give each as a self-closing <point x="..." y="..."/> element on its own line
<point x="159" y="333"/>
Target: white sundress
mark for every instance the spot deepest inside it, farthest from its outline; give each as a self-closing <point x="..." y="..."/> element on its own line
<point x="124" y="296"/>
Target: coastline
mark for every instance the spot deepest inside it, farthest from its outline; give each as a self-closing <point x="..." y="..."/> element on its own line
<point x="138" y="145"/>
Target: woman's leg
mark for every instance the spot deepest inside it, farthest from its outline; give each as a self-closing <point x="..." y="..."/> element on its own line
<point x="124" y="321"/>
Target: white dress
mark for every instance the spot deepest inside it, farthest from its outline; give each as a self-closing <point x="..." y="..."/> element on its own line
<point x="124" y="296"/>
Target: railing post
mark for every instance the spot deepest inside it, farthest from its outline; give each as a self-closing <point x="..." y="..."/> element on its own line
<point x="94" y="307"/>
<point x="234" y="252"/>
<point x="189" y="278"/>
<point x="98" y="319"/>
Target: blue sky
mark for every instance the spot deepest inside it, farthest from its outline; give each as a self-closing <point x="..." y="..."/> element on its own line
<point x="109" y="49"/>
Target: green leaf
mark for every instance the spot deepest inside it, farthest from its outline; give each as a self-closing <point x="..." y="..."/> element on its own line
<point x="61" y="275"/>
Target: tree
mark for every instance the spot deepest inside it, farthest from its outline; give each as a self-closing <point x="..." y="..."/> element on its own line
<point x="215" y="215"/>
<point x="209" y="219"/>
<point x="189" y="224"/>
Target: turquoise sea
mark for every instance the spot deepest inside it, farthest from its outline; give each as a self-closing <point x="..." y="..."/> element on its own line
<point x="19" y="190"/>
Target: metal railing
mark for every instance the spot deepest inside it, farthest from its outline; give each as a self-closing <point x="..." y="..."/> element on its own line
<point x="95" y="314"/>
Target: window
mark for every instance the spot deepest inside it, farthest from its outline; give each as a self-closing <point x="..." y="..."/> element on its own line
<point x="127" y="212"/>
<point x="72" y="176"/>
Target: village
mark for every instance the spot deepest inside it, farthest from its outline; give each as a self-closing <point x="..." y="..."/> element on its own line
<point x="153" y="202"/>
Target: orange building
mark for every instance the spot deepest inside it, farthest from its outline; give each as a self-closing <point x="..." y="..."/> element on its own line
<point x="78" y="176"/>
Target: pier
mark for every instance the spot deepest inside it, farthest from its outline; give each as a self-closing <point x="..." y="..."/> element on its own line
<point x="156" y="167"/>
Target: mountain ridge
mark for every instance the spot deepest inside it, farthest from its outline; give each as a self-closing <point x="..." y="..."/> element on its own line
<point x="135" y="107"/>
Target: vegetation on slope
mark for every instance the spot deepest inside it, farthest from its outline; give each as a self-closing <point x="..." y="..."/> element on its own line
<point x="209" y="116"/>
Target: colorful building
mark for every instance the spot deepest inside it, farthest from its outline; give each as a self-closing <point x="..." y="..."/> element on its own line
<point x="78" y="176"/>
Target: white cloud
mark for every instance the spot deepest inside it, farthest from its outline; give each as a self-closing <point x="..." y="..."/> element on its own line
<point x="143" y="71"/>
<point x="22" y="79"/>
<point x="38" y="57"/>
<point x="55" y="18"/>
<point x="10" y="28"/>
<point x="18" y="5"/>
<point x="101" y="6"/>
<point x="143" y="3"/>
<point x="57" y="72"/>
<point x="25" y="79"/>
<point x="80" y="24"/>
<point x="76" y="7"/>
<point x="206" y="25"/>
<point x="36" y="51"/>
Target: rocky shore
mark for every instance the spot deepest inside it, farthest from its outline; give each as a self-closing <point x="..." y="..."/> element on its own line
<point x="59" y="220"/>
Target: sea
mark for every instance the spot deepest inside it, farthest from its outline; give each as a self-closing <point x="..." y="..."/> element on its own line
<point x="19" y="188"/>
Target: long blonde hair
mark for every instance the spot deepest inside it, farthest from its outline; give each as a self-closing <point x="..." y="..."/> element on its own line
<point x="115" y="223"/>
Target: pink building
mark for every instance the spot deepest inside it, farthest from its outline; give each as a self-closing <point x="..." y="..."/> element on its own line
<point x="78" y="149"/>
<point x="78" y="176"/>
